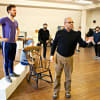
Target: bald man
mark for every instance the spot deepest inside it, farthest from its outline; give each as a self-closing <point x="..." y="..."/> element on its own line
<point x="65" y="41"/>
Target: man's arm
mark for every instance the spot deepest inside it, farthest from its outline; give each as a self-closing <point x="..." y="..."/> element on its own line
<point x="2" y="21"/>
<point x="48" y="34"/>
<point x="17" y="34"/>
<point x="39" y="35"/>
<point x="48" y="37"/>
<point x="82" y="42"/>
<point x="54" y="45"/>
<point x="3" y="39"/>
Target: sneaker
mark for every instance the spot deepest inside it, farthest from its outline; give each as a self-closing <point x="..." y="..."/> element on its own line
<point x="96" y="57"/>
<point x="14" y="75"/>
<point x="55" y="96"/>
<point x="77" y="51"/>
<point x="8" y="79"/>
<point x="68" y="95"/>
<point x="44" y="58"/>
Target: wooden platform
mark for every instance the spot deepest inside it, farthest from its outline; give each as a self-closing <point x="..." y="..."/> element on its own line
<point x="85" y="81"/>
<point x="6" y="88"/>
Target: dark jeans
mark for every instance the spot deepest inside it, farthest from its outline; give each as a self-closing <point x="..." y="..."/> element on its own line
<point x="44" y="48"/>
<point x="97" y="50"/>
<point x="9" y="52"/>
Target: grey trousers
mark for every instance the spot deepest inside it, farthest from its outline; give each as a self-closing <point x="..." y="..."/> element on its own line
<point x="65" y="63"/>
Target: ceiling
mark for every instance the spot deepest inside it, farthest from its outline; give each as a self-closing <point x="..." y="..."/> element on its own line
<point x="69" y="1"/>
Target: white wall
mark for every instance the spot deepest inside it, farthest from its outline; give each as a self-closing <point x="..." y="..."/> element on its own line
<point x="30" y="19"/>
<point x="93" y="15"/>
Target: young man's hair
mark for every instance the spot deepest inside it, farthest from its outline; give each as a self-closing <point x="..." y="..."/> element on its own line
<point x="97" y="27"/>
<point x="45" y="24"/>
<point x="10" y="7"/>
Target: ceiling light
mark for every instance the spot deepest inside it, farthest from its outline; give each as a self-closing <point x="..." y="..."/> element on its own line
<point x="84" y="2"/>
<point x="67" y="0"/>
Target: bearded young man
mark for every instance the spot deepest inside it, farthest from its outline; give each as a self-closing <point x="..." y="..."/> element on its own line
<point x="10" y="33"/>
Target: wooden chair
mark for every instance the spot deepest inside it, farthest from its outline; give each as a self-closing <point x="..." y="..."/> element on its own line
<point x="38" y="67"/>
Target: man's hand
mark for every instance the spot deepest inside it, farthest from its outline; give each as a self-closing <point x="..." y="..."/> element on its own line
<point x="90" y="40"/>
<point x="51" y="58"/>
<point x="98" y="43"/>
<point x="47" y="41"/>
<point x="0" y="38"/>
<point x="16" y="39"/>
<point x="3" y="39"/>
<point x="39" y="42"/>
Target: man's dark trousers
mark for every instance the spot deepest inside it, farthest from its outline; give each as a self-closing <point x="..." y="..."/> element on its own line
<point x="9" y="52"/>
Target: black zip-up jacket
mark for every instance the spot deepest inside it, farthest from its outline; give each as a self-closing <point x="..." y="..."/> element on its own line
<point x="43" y="35"/>
<point x="66" y="42"/>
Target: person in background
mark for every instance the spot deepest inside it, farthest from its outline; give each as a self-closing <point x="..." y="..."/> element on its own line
<point x="65" y="41"/>
<point x="23" y="59"/>
<point x="90" y="32"/>
<point x="43" y="38"/>
<point x="89" y="36"/>
<point x="96" y="42"/>
<point x="10" y="32"/>
<point x="77" y="47"/>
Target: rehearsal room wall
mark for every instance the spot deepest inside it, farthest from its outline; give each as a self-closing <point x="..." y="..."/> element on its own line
<point x="93" y="15"/>
<point x="30" y="18"/>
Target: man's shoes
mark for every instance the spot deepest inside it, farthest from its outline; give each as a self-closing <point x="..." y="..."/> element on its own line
<point x="55" y="96"/>
<point x="96" y="57"/>
<point x="68" y="95"/>
<point x="44" y="58"/>
<point x="77" y="51"/>
<point x="8" y="79"/>
<point x="14" y="75"/>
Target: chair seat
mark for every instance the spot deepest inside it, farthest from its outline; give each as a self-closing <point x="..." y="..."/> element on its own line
<point x="40" y="70"/>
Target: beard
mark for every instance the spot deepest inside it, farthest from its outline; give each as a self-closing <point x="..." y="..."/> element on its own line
<point x="13" y="15"/>
<point x="45" y="28"/>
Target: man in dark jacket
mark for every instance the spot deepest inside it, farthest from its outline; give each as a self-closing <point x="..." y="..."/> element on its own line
<point x="96" y="36"/>
<point x="65" y="41"/>
<point x="43" y="37"/>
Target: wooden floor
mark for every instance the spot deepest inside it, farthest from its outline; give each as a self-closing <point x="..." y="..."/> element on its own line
<point x="85" y="81"/>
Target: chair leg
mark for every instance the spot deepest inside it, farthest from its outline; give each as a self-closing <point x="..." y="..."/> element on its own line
<point x="40" y="76"/>
<point x="30" y="74"/>
<point x="36" y="81"/>
<point x="51" y="76"/>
